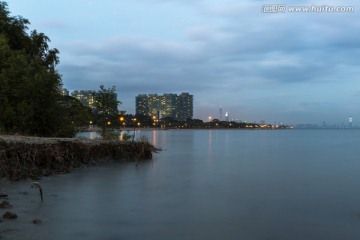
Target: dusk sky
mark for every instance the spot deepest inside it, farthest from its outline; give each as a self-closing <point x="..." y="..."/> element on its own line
<point x="286" y="67"/>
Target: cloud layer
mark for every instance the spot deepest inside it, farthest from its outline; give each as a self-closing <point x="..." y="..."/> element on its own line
<point x="291" y="67"/>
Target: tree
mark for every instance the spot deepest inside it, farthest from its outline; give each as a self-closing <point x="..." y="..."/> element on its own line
<point x="30" y="100"/>
<point x="107" y="108"/>
<point x="76" y="116"/>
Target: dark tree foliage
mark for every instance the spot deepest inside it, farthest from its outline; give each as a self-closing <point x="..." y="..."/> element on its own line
<point x="75" y="115"/>
<point x="107" y="108"/>
<point x="29" y="83"/>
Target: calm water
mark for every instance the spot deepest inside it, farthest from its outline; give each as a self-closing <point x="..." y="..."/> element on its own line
<point x="218" y="184"/>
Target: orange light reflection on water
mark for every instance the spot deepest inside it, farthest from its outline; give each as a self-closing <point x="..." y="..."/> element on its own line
<point x="210" y="146"/>
<point x="155" y="138"/>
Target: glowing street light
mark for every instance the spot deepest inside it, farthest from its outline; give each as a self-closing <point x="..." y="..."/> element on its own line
<point x="122" y="120"/>
<point x="134" y="120"/>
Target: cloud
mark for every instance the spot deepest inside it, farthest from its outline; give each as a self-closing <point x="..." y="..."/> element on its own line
<point x="233" y="52"/>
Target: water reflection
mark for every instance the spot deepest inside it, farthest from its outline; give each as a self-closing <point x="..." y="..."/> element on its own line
<point x="205" y="185"/>
<point x="121" y="135"/>
<point x="210" y="146"/>
<point x="150" y="135"/>
<point x="155" y="138"/>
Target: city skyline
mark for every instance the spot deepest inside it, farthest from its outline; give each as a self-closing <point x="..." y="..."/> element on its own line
<point x="285" y="67"/>
<point x="178" y="107"/>
<point x="83" y="96"/>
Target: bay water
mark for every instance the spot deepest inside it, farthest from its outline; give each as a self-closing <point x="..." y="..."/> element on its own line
<point x="204" y="184"/>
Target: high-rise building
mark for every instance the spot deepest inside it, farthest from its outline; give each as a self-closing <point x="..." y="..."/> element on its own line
<point x="227" y="117"/>
<point x="142" y="104"/>
<point x="168" y="105"/>
<point x="178" y="107"/>
<point x="154" y="103"/>
<point x="185" y="106"/>
<point x="86" y="97"/>
<point x="220" y="113"/>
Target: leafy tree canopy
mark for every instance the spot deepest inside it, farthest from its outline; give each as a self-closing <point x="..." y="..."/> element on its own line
<point x="107" y="107"/>
<point x="30" y="100"/>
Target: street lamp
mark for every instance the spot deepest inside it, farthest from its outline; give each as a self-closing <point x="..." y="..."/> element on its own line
<point x="122" y="121"/>
<point x="134" y="120"/>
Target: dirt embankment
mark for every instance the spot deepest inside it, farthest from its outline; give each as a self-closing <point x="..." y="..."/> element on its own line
<point x="33" y="157"/>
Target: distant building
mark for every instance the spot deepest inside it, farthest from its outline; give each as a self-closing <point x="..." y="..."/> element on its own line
<point x="185" y="106"/>
<point x="220" y="113"/>
<point x="142" y="104"/>
<point x="350" y="121"/>
<point x="227" y="117"/>
<point x="64" y="92"/>
<point x="169" y="104"/>
<point x="86" y="97"/>
<point x="178" y="107"/>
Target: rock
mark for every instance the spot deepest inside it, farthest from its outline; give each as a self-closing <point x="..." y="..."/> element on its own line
<point x="5" y="204"/>
<point x="9" y="215"/>
<point x="37" y="221"/>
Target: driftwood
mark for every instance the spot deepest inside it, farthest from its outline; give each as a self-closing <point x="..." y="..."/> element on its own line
<point x="32" y="157"/>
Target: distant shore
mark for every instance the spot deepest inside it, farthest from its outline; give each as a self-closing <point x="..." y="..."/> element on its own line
<point x="32" y="157"/>
<point x="129" y="129"/>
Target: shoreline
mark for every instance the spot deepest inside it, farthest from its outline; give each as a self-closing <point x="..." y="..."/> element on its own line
<point x="129" y="129"/>
<point x="24" y="157"/>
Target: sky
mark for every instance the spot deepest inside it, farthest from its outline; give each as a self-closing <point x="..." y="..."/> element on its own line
<point x="258" y="64"/>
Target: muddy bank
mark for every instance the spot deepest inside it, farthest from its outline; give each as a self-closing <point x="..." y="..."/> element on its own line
<point x="33" y="157"/>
